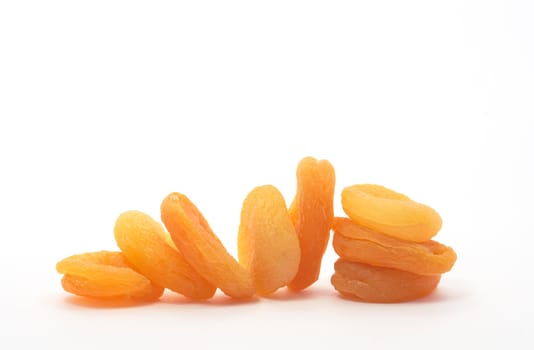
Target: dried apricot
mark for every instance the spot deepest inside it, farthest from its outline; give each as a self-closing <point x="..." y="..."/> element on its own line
<point x="390" y="213"/>
<point x="202" y="249"/>
<point x="267" y="242"/>
<point x="148" y="247"/>
<point x="376" y="284"/>
<point x="356" y="243"/>
<point x="312" y="212"/>
<point x="105" y="275"/>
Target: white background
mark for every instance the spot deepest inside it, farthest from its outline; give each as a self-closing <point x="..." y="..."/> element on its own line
<point x="108" y="105"/>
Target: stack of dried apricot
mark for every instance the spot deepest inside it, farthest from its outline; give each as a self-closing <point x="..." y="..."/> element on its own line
<point x="386" y="255"/>
<point x="385" y="247"/>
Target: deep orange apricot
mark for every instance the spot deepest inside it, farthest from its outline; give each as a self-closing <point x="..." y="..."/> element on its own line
<point x="148" y="247"/>
<point x="105" y="275"/>
<point x="312" y="212"/>
<point x="202" y="249"/>
<point x="356" y="243"/>
<point x="376" y="284"/>
<point x="390" y="213"/>
<point x="268" y="245"/>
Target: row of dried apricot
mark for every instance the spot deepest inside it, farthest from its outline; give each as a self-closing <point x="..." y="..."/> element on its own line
<point x="385" y="250"/>
<point x="277" y="246"/>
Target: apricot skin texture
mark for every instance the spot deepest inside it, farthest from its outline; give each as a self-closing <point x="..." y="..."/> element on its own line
<point x="267" y="242"/>
<point x="202" y="249"/>
<point x="375" y="284"/>
<point x="390" y="213"/>
<point x="105" y="275"/>
<point x="147" y="246"/>
<point x="356" y="243"/>
<point x="312" y="212"/>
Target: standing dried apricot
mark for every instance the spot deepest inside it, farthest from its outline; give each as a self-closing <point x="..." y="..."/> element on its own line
<point x="380" y="284"/>
<point x="267" y="242"/>
<point x="312" y="212"/>
<point x="356" y="243"/>
<point x="202" y="249"/>
<point x="105" y="275"/>
<point x="145" y="244"/>
<point x="390" y="213"/>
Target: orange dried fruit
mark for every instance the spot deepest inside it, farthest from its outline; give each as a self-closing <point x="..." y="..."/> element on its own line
<point x="376" y="284"/>
<point x="148" y="247"/>
<point x="390" y="213"/>
<point x="268" y="245"/>
<point x="93" y="289"/>
<point x="312" y="211"/>
<point x="105" y="275"/>
<point x="202" y="249"/>
<point x="356" y="243"/>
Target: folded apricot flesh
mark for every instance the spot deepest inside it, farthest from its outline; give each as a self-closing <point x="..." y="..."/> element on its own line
<point x="312" y="211"/>
<point x="147" y="246"/>
<point x="268" y="245"/>
<point x="202" y="249"/>
<point x="376" y="284"/>
<point x="356" y="243"/>
<point x="105" y="275"/>
<point x="391" y="213"/>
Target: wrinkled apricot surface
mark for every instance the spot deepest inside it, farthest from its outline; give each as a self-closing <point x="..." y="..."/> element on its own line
<point x="356" y="243"/>
<point x="376" y="284"/>
<point x="312" y="211"/>
<point x="105" y="275"/>
<point x="268" y="245"/>
<point x="148" y="247"/>
<point x="202" y="249"/>
<point x="390" y="213"/>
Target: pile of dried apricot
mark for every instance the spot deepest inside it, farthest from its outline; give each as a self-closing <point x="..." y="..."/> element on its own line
<point x="386" y="254"/>
<point x="385" y="250"/>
